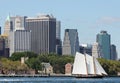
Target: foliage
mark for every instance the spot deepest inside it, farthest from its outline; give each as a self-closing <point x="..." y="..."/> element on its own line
<point x="17" y="55"/>
<point x="111" y="67"/>
<point x="34" y="63"/>
<point x="8" y="66"/>
<point x="58" y="62"/>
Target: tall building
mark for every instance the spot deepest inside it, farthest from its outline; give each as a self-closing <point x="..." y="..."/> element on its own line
<point x="2" y="46"/>
<point x="0" y="30"/>
<point x="71" y="42"/>
<point x="20" y="41"/>
<point x="103" y="39"/>
<point x="96" y="50"/>
<point x="58" y="38"/>
<point x="4" y="50"/>
<point x="8" y="26"/>
<point x="58" y="30"/>
<point x="43" y="32"/>
<point x="113" y="52"/>
<point x="18" y="22"/>
<point x="14" y="23"/>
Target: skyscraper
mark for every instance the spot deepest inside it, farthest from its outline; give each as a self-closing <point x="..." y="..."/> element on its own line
<point x="0" y="30"/>
<point x="8" y="26"/>
<point x="4" y="50"/>
<point x="58" y="30"/>
<point x="43" y="32"/>
<point x="71" y="42"/>
<point x="103" y="39"/>
<point x="58" y="38"/>
<point x="14" y="23"/>
<point x="2" y="46"/>
<point x="96" y="50"/>
<point x="18" y="22"/>
<point x="20" y="41"/>
<point x="113" y="52"/>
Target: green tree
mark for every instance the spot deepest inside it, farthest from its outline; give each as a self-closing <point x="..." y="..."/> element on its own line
<point x="34" y="63"/>
<point x="17" y="55"/>
<point x="9" y="66"/>
<point x="112" y="67"/>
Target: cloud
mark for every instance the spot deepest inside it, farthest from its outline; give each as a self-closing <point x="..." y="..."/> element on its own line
<point x="108" y="20"/>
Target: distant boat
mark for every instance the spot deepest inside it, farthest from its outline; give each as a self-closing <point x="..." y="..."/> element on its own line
<point x="87" y="66"/>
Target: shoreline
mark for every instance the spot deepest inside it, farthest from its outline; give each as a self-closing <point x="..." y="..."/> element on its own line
<point x="38" y="75"/>
<point x="48" y="75"/>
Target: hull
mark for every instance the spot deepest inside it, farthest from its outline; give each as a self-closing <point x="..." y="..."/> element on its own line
<point x="89" y="76"/>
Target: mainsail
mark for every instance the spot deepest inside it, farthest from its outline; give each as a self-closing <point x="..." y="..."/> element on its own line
<point x="90" y="64"/>
<point x="79" y="66"/>
<point x="85" y="64"/>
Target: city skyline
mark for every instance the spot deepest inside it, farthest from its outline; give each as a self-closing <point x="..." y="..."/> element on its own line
<point x="89" y="17"/>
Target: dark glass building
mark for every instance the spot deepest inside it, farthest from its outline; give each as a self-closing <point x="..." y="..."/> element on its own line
<point x="58" y="38"/>
<point x="86" y="48"/>
<point x="113" y="52"/>
<point x="4" y="51"/>
<point x="103" y="39"/>
<point x="71" y="42"/>
<point x="0" y="30"/>
<point x="43" y="33"/>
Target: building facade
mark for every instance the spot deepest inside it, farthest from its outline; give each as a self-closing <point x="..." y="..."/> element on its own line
<point x="0" y="30"/>
<point x="4" y="50"/>
<point x="103" y="39"/>
<point x="2" y="46"/>
<point x="43" y="33"/>
<point x="71" y="42"/>
<point x="68" y="69"/>
<point x="18" y="22"/>
<point x="47" y="68"/>
<point x="113" y="52"/>
<point x="86" y="48"/>
<point x="20" y="41"/>
<point x="14" y="23"/>
<point x="96" y="50"/>
<point x="58" y="38"/>
<point x="7" y="26"/>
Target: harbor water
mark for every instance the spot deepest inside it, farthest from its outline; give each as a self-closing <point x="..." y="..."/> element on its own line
<point x="58" y="80"/>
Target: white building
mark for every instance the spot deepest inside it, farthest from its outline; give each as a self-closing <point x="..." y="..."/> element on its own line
<point x="96" y="50"/>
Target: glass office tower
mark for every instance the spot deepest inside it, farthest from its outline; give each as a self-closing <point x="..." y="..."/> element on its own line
<point x="103" y="39"/>
<point x="71" y="42"/>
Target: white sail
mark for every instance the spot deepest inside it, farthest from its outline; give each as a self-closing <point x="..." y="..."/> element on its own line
<point x="79" y="66"/>
<point x="99" y="67"/>
<point x="86" y="64"/>
<point x="90" y="64"/>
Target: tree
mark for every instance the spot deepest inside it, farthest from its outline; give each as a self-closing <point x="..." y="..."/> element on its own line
<point x="111" y="67"/>
<point x="9" y="66"/>
<point x="17" y="55"/>
<point x="34" y="63"/>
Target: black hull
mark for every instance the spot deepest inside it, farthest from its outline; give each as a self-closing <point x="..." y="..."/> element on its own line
<point x="89" y="76"/>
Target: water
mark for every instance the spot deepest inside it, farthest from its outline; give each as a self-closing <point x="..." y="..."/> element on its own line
<point x="58" y="80"/>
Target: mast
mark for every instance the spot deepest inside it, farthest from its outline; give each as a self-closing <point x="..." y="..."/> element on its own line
<point x="86" y="64"/>
<point x="94" y="66"/>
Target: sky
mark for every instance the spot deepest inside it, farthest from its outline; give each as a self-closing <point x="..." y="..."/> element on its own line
<point x="89" y="17"/>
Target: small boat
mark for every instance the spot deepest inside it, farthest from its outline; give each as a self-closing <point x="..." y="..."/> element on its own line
<point x="86" y="66"/>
